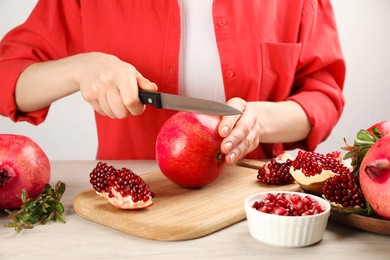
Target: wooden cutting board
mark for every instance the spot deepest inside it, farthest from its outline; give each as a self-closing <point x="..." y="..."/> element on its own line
<point x="179" y="213"/>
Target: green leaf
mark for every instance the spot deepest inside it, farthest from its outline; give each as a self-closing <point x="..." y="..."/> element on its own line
<point x="59" y="217"/>
<point x="60" y="189"/>
<point x="24" y="196"/>
<point x="364" y="136"/>
<point x="47" y="208"/>
<point x="357" y="211"/>
<point x="59" y="208"/>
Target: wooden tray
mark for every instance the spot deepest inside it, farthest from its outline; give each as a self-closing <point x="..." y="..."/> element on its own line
<point x="370" y="224"/>
<point x="179" y="213"/>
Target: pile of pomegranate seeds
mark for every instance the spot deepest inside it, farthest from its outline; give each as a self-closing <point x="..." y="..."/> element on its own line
<point x="285" y="204"/>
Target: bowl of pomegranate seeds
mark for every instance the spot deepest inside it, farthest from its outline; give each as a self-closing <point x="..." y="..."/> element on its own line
<point x="284" y="218"/>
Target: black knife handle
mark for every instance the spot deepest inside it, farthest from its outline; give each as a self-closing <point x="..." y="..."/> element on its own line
<point x="150" y="98"/>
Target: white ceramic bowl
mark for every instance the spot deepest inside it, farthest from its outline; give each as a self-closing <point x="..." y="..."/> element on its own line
<point x="288" y="231"/>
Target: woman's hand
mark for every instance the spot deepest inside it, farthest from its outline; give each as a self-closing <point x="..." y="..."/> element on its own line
<point x="111" y="85"/>
<point x="241" y="133"/>
<point x="107" y="83"/>
<point x="261" y="122"/>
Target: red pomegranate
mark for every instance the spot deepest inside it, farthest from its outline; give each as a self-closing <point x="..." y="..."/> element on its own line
<point x="23" y="165"/>
<point x="188" y="149"/>
<point x="374" y="176"/>
<point x="383" y="127"/>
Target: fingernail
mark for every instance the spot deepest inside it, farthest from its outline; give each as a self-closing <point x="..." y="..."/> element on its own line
<point x="225" y="130"/>
<point x="228" y="146"/>
<point x="232" y="156"/>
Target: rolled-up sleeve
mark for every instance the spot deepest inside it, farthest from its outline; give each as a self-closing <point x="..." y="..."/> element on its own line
<point x="320" y="73"/>
<point x="52" y="31"/>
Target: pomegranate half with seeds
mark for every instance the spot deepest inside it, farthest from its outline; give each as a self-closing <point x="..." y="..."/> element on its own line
<point x="310" y="169"/>
<point x="122" y="188"/>
<point x="344" y="193"/>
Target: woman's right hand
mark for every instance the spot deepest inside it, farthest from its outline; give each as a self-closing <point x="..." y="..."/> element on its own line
<point x="111" y="85"/>
<point x="107" y="83"/>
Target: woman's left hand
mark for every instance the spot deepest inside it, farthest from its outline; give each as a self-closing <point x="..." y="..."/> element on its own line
<point x="241" y="133"/>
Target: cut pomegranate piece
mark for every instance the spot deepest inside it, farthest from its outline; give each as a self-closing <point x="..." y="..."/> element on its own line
<point x="343" y="191"/>
<point x="122" y="188"/>
<point x="277" y="170"/>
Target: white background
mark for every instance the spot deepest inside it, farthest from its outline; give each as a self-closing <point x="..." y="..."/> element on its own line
<point x="69" y="131"/>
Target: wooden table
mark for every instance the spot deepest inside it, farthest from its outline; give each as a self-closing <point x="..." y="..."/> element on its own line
<point x="82" y="239"/>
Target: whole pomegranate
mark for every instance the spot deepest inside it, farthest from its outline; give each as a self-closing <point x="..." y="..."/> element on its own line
<point x="188" y="149"/>
<point x="383" y="127"/>
<point x="23" y="165"/>
<point x="374" y="176"/>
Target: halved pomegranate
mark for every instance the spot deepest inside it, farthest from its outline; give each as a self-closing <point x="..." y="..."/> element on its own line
<point x="122" y="188"/>
<point x="344" y="193"/>
<point x="310" y="169"/>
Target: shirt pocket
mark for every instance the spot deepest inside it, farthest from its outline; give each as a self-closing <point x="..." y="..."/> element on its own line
<point x="278" y="63"/>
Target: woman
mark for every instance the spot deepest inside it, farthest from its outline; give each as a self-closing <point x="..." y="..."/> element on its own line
<point x="279" y="62"/>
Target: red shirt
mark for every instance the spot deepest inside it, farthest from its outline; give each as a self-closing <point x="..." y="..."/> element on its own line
<point x="269" y="50"/>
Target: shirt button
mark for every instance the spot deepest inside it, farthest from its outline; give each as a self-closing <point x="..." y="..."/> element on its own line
<point x="170" y="71"/>
<point x="229" y="73"/>
<point x="222" y="22"/>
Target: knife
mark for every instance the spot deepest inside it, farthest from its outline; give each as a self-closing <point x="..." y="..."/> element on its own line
<point x="189" y="104"/>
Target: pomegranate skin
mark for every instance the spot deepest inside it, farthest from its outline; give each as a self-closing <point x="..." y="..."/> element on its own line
<point x="382" y="126"/>
<point x="188" y="149"/>
<point x="374" y="177"/>
<point x="23" y="165"/>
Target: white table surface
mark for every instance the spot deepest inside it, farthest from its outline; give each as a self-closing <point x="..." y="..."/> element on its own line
<point x="81" y="239"/>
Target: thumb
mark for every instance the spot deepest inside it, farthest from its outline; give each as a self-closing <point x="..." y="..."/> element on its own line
<point x="144" y="83"/>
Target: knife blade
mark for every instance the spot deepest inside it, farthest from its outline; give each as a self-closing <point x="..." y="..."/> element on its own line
<point x="183" y="103"/>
